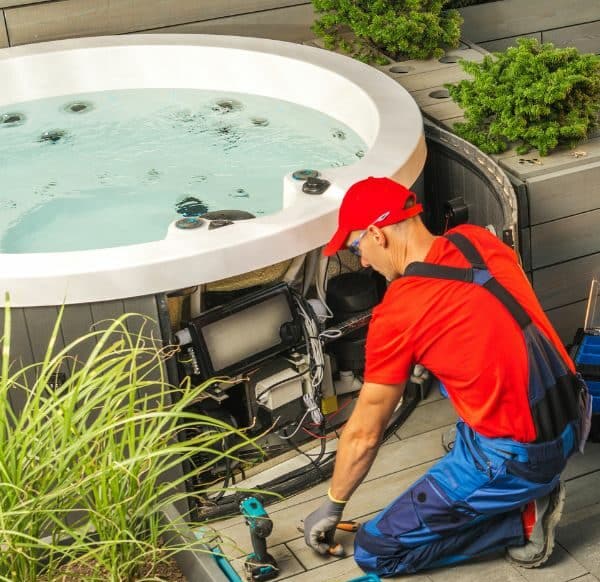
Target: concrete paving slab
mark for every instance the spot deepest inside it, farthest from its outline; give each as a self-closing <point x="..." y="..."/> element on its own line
<point x="342" y="571"/>
<point x="428" y="417"/>
<point x="582" y="464"/>
<point x="410" y="67"/>
<point x="582" y="492"/>
<point x="560" y="567"/>
<point x="491" y="570"/>
<point x="433" y="396"/>
<point x="581" y="538"/>
<point x="310" y="559"/>
<point x="443" y="109"/>
<point x="286" y="562"/>
<point x="450" y="74"/>
<point x="338" y="571"/>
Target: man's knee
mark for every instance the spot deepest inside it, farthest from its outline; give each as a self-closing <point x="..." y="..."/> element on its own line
<point x="379" y="554"/>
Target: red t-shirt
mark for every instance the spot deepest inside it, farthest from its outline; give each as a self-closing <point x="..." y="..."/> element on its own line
<point x="461" y="333"/>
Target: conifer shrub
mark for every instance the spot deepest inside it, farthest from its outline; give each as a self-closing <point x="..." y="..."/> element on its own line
<point x="532" y="95"/>
<point x="414" y="29"/>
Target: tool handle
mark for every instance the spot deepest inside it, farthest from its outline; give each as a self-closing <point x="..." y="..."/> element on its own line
<point x="259" y="545"/>
<point x="351" y="526"/>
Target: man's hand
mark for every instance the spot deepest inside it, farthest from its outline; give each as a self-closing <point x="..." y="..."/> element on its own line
<point x="319" y="526"/>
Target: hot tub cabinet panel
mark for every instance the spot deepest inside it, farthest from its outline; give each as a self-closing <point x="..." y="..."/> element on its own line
<point x="32" y="328"/>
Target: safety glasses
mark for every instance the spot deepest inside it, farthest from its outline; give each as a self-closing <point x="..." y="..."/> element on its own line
<point x="354" y="246"/>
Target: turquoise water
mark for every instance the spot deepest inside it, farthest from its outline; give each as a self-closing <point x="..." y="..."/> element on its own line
<point x="112" y="171"/>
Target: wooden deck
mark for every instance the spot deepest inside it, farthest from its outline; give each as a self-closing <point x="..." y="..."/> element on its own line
<point x="401" y="460"/>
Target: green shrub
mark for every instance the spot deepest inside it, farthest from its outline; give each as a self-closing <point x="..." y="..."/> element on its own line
<point x="101" y="447"/>
<point x="415" y="29"/>
<point x="532" y="95"/>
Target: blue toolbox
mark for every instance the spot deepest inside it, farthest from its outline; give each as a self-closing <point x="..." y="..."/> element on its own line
<point x="587" y="361"/>
<point x="586" y="355"/>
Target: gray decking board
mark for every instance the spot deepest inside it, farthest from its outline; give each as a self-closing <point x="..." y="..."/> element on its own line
<point x="292" y="24"/>
<point x="584" y="37"/>
<point x="508" y="18"/>
<point x="76" y="18"/>
<point x="502" y="44"/>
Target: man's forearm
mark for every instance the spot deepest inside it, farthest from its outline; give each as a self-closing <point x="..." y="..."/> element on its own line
<point x="354" y="458"/>
<point x="362" y="436"/>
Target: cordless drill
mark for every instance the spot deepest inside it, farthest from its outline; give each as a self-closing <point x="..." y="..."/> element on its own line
<point x="259" y="565"/>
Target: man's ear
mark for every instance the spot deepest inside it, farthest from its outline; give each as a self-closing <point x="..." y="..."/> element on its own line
<point x="379" y="236"/>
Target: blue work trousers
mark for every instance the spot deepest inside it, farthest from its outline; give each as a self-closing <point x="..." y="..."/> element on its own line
<point x="467" y="505"/>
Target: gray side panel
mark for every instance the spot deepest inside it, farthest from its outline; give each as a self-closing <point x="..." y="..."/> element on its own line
<point x="565" y="239"/>
<point x="446" y="178"/>
<point x="104" y="312"/>
<point x="148" y="327"/>
<point x="21" y="354"/>
<point x="40" y="323"/>
<point x="566" y="283"/>
<point x="151" y="329"/>
<point x="525" y="251"/>
<point x="567" y="319"/>
<point x="585" y="37"/>
<point x="77" y="321"/>
<point x="564" y="193"/>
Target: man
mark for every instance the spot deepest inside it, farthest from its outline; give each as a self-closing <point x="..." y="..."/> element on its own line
<point x="461" y="306"/>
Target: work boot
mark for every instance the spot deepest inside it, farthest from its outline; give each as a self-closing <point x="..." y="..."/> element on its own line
<point x="448" y="439"/>
<point x="540" y="544"/>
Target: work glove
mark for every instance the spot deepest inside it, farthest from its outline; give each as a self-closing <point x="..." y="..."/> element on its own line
<point x="319" y="526"/>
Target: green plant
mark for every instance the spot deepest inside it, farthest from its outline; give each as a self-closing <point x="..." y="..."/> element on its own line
<point x="534" y="95"/>
<point x="399" y="28"/>
<point x="95" y="460"/>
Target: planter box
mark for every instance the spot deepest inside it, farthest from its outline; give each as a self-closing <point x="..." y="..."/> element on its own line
<point x="558" y="195"/>
<point x="560" y="234"/>
<point x="197" y="564"/>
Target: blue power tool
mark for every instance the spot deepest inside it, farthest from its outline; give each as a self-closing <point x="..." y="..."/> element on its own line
<point x="259" y="565"/>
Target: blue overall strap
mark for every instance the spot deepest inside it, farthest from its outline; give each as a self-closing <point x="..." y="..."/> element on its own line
<point x="477" y="273"/>
<point x="555" y="394"/>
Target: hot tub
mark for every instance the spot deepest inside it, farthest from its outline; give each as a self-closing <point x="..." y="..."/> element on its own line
<point x="379" y="110"/>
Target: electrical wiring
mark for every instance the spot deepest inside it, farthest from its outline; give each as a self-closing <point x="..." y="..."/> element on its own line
<point x="298" y="427"/>
<point x="316" y="436"/>
<point x="312" y="399"/>
<point x="320" y="287"/>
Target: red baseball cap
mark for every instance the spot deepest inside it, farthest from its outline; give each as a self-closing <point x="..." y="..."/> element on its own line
<point x="377" y="201"/>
